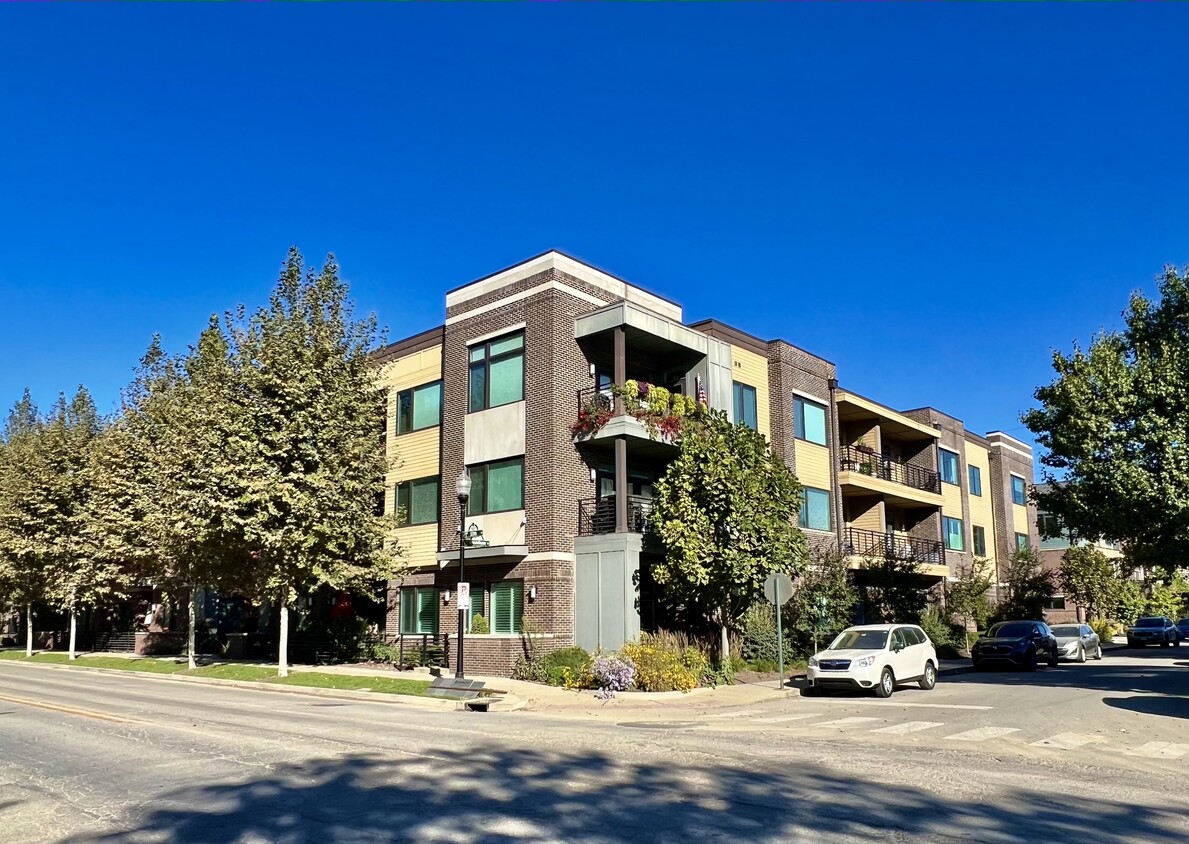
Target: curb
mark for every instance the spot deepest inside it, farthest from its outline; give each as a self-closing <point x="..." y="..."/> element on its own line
<point x="954" y="670"/>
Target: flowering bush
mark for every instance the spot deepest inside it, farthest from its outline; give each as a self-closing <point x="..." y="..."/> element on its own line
<point x="660" y="668"/>
<point x="612" y="672"/>
<point x="593" y="416"/>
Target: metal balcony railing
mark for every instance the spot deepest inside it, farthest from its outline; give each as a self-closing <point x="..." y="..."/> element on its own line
<point x="598" y="398"/>
<point x="879" y="466"/>
<point x="597" y="515"/>
<point x="873" y="544"/>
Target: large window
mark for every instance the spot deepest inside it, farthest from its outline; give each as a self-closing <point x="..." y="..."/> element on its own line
<point x="496" y="487"/>
<point x="815" y="509"/>
<point x="952" y="530"/>
<point x="419" y="502"/>
<point x="419" y="609"/>
<point x="1050" y="526"/>
<point x="1022" y="543"/>
<point x="497" y="372"/>
<point x="507" y="606"/>
<point x="980" y="541"/>
<point x="745" y="405"/>
<point x="976" y="480"/>
<point x="420" y="407"/>
<point x="809" y="421"/>
<point x="949" y="466"/>
<point x="1019" y="493"/>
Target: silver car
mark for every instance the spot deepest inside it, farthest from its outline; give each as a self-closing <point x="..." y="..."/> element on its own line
<point x="1076" y="642"/>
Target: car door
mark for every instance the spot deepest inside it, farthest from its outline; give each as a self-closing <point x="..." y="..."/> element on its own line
<point x="1089" y="639"/>
<point x="919" y="648"/>
<point x="900" y="656"/>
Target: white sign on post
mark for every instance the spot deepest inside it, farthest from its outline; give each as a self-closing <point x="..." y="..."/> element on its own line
<point x="464" y="596"/>
<point x="778" y="588"/>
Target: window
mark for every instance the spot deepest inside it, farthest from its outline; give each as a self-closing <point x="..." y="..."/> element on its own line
<point x="1018" y="493"/>
<point x="1057" y="602"/>
<point x="815" y="509"/>
<point x="949" y="466"/>
<point x="476" y="607"/>
<point x="497" y="487"/>
<point x="980" y="541"/>
<point x="976" y="480"/>
<point x="419" y="609"/>
<point x="809" y="421"/>
<point x="497" y="372"/>
<point x="745" y="405"/>
<point x="420" y="407"/>
<point x="1050" y="526"/>
<point x="418" y="502"/>
<point x="507" y="606"/>
<point x="952" y="529"/>
<point x="1022" y="543"/>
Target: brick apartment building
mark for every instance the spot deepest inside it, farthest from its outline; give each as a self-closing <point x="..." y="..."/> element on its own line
<point x="556" y="522"/>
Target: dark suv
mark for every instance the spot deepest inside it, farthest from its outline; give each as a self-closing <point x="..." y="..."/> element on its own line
<point x="1022" y="643"/>
<point x="1153" y="630"/>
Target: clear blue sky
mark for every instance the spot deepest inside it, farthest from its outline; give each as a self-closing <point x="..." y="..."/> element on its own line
<point x="930" y="196"/>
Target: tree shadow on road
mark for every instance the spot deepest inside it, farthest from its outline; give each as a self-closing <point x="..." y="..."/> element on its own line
<point x="1170" y="707"/>
<point x="1108" y="674"/>
<point x="495" y="794"/>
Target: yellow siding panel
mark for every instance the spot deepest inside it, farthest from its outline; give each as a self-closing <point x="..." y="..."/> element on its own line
<point x="981" y="511"/>
<point x="413" y="370"/>
<point x="813" y="465"/>
<point x="1019" y="520"/>
<point x="951" y="496"/>
<point x="414" y="455"/>
<point x="419" y="543"/>
<point x="869" y="520"/>
<point x="752" y="369"/>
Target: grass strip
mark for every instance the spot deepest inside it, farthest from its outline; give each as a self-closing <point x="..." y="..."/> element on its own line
<point x="355" y="682"/>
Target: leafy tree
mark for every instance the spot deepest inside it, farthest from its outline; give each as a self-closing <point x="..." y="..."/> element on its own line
<point x="1166" y="599"/>
<point x="823" y="602"/>
<point x="313" y="462"/>
<point x="1028" y="587"/>
<point x="1089" y="577"/>
<point x="23" y="509"/>
<point x="1129" y="602"/>
<point x="725" y="511"/>
<point x="966" y="595"/>
<point x="1115" y="422"/>
<point x="893" y="591"/>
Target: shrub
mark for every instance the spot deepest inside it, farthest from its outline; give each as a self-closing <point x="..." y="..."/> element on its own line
<point x="612" y="672"/>
<point x="757" y="629"/>
<point x="568" y="667"/>
<point x="479" y="625"/>
<point x="661" y="667"/>
<point x="530" y="670"/>
<point x="1104" y="628"/>
<point x="948" y="638"/>
<point x="387" y="654"/>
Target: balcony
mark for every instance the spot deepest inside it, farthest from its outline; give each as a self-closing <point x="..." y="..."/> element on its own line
<point x="649" y="433"/>
<point x="873" y="545"/>
<point x="597" y="515"/>
<point x="875" y="465"/>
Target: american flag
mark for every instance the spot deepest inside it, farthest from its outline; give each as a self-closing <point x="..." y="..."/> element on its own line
<point x="701" y="389"/>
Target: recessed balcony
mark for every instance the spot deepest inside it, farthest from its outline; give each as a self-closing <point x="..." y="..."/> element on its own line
<point x="865" y="472"/>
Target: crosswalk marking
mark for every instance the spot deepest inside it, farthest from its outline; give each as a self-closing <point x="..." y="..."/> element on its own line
<point x="845" y="722"/>
<point x="982" y="734"/>
<point x="900" y="704"/>
<point x="738" y="714"/>
<point x="781" y="719"/>
<point x="908" y="727"/>
<point x="1067" y="741"/>
<point x="1159" y="750"/>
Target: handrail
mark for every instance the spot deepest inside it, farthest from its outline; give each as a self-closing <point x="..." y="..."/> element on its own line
<point x="873" y="543"/>
<point x="597" y="515"/>
<point x="864" y="462"/>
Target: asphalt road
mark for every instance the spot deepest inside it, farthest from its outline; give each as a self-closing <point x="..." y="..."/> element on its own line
<point x="100" y="757"/>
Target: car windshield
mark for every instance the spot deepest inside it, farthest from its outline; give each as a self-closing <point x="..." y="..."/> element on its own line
<point x="862" y="640"/>
<point x="1011" y="629"/>
<point x="1150" y="622"/>
<point x="1066" y="631"/>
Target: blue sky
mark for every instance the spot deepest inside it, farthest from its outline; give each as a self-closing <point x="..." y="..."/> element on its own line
<point x="930" y="196"/>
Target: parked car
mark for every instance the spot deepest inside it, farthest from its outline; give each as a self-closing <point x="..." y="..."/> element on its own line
<point x="1183" y="628"/>
<point x="1022" y="643"/>
<point x="877" y="657"/>
<point x="1153" y="630"/>
<point x="1076" y="642"/>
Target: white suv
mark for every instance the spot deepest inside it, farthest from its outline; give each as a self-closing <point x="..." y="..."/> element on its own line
<point x="875" y="656"/>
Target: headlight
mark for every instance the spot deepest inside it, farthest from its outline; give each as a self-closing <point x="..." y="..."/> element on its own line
<point x="864" y="662"/>
<point x="813" y="662"/>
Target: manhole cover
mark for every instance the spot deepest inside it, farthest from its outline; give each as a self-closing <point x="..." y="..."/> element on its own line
<point x="658" y="725"/>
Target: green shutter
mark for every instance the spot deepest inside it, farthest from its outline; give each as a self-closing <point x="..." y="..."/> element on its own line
<point x="476" y="599"/>
<point x="507" y="606"/>
<point x="427" y="610"/>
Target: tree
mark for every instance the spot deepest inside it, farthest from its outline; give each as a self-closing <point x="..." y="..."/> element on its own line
<point x="1166" y="598"/>
<point x="1130" y="602"/>
<point x="966" y="595"/>
<point x="22" y="512"/>
<point x="314" y="463"/>
<point x="823" y="602"/>
<point x="893" y="591"/>
<point x="1089" y="578"/>
<point x="1028" y="587"/>
<point x="725" y="511"/>
<point x="1115" y="423"/>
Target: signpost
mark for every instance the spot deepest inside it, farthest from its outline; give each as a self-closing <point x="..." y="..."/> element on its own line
<point x="819" y="622"/>
<point x="778" y="588"/>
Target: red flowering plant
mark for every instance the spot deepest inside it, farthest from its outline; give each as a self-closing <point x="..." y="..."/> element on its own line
<point x="593" y="416"/>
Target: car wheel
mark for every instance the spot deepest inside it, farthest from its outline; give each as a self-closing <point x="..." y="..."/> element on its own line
<point x="929" y="678"/>
<point x="1098" y="653"/>
<point x="1167" y="643"/>
<point x="1053" y="659"/>
<point x="1081" y="654"/>
<point x="887" y="684"/>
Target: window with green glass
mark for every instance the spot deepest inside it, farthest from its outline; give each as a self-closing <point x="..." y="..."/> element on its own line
<point x="497" y="372"/>
<point x="418" y="408"/>
<point x="419" y="502"/>
<point x="478" y="594"/>
<point x="1022" y="543"/>
<point x="809" y="421"/>
<point x="815" y="509"/>
<point x="1019" y="491"/>
<point x="507" y="606"/>
<point x="419" y="609"/>
<point x="951" y="529"/>
<point x="745" y="405"/>
<point x="980" y="541"/>
<point x="949" y="466"/>
<point x="976" y="480"/>
<point x="497" y="487"/>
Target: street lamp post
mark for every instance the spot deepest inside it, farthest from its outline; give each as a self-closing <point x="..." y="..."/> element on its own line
<point x="463" y="488"/>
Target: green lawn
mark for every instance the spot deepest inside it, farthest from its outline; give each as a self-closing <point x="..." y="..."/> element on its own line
<point x="235" y="671"/>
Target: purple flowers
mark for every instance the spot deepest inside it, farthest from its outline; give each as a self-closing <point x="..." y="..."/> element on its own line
<point x="612" y="673"/>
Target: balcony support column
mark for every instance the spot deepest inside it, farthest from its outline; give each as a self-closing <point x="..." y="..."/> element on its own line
<point x="620" y="367"/>
<point x="621" y="484"/>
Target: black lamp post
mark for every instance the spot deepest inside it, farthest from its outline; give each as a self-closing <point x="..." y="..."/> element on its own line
<point x="463" y="488"/>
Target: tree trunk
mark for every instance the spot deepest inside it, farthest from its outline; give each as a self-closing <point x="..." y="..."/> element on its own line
<point x="29" y="629"/>
<point x="73" y="631"/>
<point x="724" y="645"/>
<point x="190" y="635"/>
<point x="283" y="645"/>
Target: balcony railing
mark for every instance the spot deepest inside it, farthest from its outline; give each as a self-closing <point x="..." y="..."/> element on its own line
<point x="879" y="466"/>
<point x="597" y="515"/>
<point x="873" y="544"/>
<point x="598" y="398"/>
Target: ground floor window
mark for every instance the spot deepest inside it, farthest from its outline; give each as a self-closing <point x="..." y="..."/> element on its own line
<point x="1022" y="542"/>
<point x="1057" y="602"/>
<point x="419" y="609"/>
<point x="507" y="606"/>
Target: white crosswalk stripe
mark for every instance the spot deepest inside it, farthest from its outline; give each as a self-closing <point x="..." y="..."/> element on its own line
<point x="781" y="719"/>
<point x="982" y="734"/>
<point x="908" y="727"/>
<point x="738" y="714"/>
<point x="845" y="722"/>
<point x="1068" y="741"/>
<point x="1159" y="750"/>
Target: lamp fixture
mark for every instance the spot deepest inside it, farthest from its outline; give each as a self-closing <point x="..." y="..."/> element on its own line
<point x="463" y="485"/>
<point x="532" y="593"/>
<point x="446" y="597"/>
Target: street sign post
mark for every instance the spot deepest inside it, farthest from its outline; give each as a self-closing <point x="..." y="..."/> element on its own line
<point x="778" y="588"/>
<point x="819" y="623"/>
